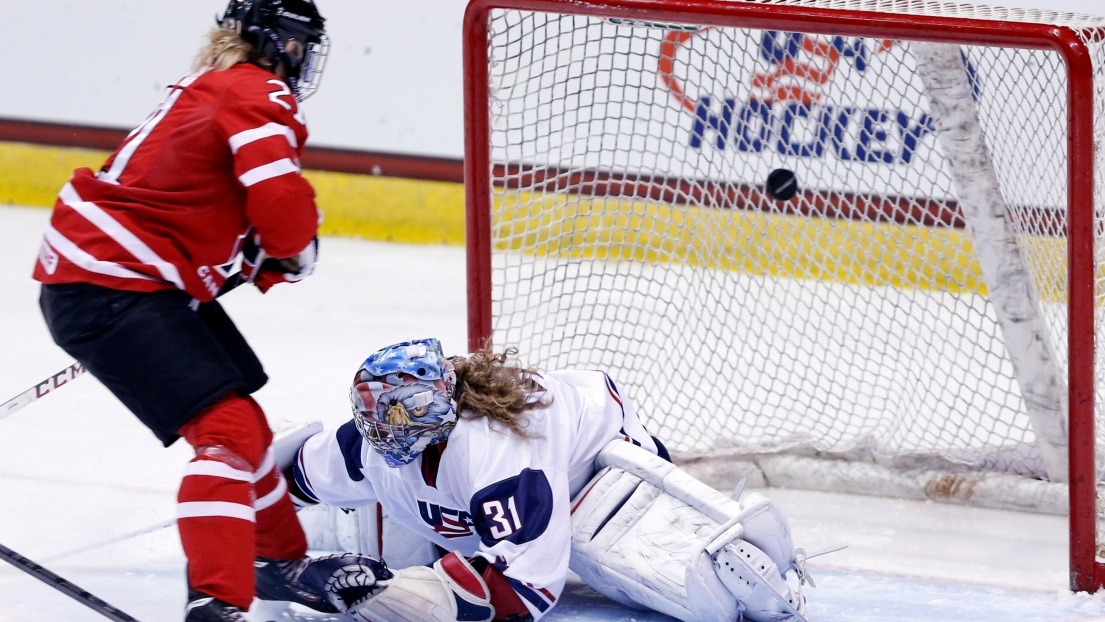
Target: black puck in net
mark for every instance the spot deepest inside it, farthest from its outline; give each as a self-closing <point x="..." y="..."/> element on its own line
<point x="781" y="185"/>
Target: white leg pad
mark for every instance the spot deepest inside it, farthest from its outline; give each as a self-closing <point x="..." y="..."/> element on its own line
<point x="675" y="549"/>
<point x="636" y="545"/>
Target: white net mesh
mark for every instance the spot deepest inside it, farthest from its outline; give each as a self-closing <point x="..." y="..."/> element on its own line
<point x="631" y="231"/>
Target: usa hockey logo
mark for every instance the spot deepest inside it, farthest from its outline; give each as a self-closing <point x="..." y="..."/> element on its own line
<point x="785" y="102"/>
<point x="447" y="522"/>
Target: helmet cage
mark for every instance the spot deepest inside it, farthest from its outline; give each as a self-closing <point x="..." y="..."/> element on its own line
<point x="310" y="71"/>
<point x="399" y="444"/>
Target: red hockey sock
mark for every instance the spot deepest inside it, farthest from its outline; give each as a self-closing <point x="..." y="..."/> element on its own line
<point x="214" y="510"/>
<point x="217" y="519"/>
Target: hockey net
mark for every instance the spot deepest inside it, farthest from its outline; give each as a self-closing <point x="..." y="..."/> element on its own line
<point x="900" y="326"/>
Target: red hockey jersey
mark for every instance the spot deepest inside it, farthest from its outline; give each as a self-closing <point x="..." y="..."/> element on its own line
<point x="219" y="155"/>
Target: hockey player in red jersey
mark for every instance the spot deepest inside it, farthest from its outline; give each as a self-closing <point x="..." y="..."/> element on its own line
<point x="133" y="259"/>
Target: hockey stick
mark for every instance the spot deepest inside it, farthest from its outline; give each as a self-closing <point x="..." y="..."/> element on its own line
<point x="75" y="370"/>
<point x="56" y="381"/>
<point x="65" y="587"/>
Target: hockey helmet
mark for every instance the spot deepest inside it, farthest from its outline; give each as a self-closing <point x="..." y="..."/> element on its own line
<point x="402" y="399"/>
<point x="288" y="32"/>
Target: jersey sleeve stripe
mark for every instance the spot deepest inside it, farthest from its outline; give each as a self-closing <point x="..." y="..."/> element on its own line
<point x="73" y="253"/>
<point x="199" y="509"/>
<point x="246" y="137"/>
<point x="214" y="468"/>
<point x="270" y="499"/>
<point x="120" y="234"/>
<point x="613" y="389"/>
<point x="301" y="479"/>
<point x="529" y="594"/>
<point x="268" y="171"/>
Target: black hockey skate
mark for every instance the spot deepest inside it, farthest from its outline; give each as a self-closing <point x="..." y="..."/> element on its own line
<point x="204" y="608"/>
<point x="279" y="580"/>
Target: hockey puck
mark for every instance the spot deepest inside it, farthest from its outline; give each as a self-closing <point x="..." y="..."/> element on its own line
<point x="781" y="185"/>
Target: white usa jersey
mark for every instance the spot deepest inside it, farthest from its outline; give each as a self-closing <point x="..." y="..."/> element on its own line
<point x="489" y="492"/>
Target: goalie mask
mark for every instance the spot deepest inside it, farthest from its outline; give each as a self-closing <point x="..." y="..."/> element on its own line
<point x="402" y="398"/>
<point x="291" y="33"/>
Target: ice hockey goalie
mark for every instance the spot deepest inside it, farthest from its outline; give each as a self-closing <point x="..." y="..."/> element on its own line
<point x="482" y="484"/>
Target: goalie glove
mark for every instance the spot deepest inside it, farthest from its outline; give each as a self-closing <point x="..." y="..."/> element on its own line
<point x="265" y="271"/>
<point x="346" y="581"/>
<point x="449" y="590"/>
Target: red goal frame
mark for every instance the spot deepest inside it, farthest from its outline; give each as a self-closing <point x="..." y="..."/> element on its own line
<point x="1086" y="573"/>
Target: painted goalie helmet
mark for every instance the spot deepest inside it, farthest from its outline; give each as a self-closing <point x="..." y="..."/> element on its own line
<point x="402" y="398"/>
<point x="287" y="32"/>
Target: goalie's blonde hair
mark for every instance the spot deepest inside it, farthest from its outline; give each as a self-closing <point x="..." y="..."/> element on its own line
<point x="226" y="48"/>
<point x="491" y="385"/>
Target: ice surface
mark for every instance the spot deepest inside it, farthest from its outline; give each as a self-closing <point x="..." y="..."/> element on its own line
<point x="76" y="469"/>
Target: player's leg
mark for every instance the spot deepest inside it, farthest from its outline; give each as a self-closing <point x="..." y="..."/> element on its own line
<point x="280" y="546"/>
<point x="279" y="534"/>
<point x="175" y="366"/>
<point x="620" y="405"/>
<point x="215" y="512"/>
<point x="166" y="364"/>
<point x="282" y="572"/>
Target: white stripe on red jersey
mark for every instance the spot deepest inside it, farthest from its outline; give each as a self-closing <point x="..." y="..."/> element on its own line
<point x="74" y="254"/>
<point x="135" y="138"/>
<point x="120" y="234"/>
<point x="241" y="139"/>
<point x="268" y="171"/>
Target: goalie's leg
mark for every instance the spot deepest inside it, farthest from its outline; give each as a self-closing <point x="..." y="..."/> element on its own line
<point x="648" y="535"/>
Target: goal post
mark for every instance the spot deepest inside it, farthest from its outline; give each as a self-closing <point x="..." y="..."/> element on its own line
<point x="924" y="310"/>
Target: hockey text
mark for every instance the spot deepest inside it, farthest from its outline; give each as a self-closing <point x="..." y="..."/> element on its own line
<point x="797" y="129"/>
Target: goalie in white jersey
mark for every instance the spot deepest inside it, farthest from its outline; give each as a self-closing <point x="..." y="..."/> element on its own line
<point x="519" y="475"/>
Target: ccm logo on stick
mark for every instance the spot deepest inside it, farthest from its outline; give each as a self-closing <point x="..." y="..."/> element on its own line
<point x="59" y="379"/>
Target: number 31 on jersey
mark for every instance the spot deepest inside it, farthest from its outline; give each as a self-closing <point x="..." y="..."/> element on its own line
<point x="516" y="509"/>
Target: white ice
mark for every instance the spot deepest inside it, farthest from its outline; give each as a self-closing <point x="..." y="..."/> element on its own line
<point x="77" y="470"/>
